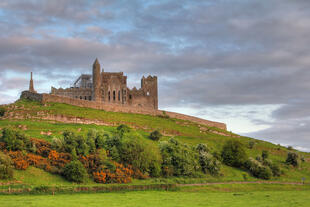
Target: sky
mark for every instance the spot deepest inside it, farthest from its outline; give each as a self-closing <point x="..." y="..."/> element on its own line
<point x="241" y="62"/>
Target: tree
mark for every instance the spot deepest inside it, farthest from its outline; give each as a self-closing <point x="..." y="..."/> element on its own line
<point x="155" y="135"/>
<point x="75" y="171"/>
<point x="178" y="159"/>
<point x="15" y="140"/>
<point x="6" y="170"/>
<point x="292" y="159"/>
<point x="2" y="111"/>
<point x="265" y="154"/>
<point x="234" y="154"/>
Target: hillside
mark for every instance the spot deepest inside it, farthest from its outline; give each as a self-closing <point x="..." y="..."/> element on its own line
<point x="50" y="120"/>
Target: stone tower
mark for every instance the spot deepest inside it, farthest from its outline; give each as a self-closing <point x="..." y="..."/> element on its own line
<point x="150" y="88"/>
<point x="96" y="81"/>
<point x="31" y="87"/>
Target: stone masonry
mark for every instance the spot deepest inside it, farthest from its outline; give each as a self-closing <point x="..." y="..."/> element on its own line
<point x="109" y="91"/>
<point x="111" y="88"/>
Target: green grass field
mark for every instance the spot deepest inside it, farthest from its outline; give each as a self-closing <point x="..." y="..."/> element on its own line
<point x="217" y="195"/>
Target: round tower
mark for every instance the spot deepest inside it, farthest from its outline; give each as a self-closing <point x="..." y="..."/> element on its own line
<point x="96" y="81"/>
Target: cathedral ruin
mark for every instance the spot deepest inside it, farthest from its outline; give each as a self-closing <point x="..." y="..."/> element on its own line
<point x="108" y="91"/>
<point x="111" y="88"/>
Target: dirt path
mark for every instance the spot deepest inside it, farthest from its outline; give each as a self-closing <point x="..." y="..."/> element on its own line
<point x="245" y="182"/>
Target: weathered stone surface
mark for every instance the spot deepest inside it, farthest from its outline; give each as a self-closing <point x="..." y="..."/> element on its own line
<point x="111" y="88"/>
<point x="46" y="98"/>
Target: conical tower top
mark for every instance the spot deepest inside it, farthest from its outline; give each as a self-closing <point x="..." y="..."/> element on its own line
<point x="96" y="62"/>
<point x="31" y="87"/>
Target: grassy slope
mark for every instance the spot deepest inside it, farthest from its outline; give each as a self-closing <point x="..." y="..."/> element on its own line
<point x="183" y="130"/>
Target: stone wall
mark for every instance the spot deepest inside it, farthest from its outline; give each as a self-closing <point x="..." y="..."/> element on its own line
<point x="46" y="98"/>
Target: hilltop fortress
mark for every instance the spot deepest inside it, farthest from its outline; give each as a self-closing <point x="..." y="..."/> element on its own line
<point x="108" y="91"/>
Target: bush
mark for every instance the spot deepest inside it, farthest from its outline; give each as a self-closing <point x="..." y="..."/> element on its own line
<point x="251" y="144"/>
<point x="265" y="154"/>
<point x="130" y="148"/>
<point x="207" y="161"/>
<point x="75" y="171"/>
<point x="257" y="169"/>
<point x="292" y="159"/>
<point x="234" y="154"/>
<point x="14" y="140"/>
<point x="155" y="135"/>
<point x="6" y="170"/>
<point x="123" y="129"/>
<point x="137" y="152"/>
<point x="2" y="111"/>
<point x="178" y="159"/>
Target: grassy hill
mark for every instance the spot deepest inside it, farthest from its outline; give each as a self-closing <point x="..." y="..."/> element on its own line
<point x="36" y="120"/>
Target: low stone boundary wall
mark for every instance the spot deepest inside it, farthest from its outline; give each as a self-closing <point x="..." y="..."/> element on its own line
<point x="46" y="98"/>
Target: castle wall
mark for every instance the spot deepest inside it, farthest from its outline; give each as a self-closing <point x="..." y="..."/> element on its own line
<point x="45" y="98"/>
<point x="78" y="93"/>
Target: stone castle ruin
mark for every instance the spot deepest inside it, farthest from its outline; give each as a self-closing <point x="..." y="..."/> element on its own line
<point x="112" y="88"/>
<point x="108" y="91"/>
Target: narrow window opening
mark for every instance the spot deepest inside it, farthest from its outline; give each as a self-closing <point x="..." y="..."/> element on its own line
<point x="113" y="95"/>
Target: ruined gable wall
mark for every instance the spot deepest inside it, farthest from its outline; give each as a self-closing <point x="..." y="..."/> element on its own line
<point x="113" y="88"/>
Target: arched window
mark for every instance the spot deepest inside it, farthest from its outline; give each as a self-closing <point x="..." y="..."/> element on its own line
<point x="81" y="97"/>
<point x="85" y="97"/>
<point x="109" y="94"/>
<point x="119" y="95"/>
<point x="113" y="95"/>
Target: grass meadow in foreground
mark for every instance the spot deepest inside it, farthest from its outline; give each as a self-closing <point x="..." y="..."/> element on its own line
<point x="237" y="195"/>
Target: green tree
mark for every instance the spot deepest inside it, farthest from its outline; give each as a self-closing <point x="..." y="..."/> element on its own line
<point x="6" y="170"/>
<point x="265" y="154"/>
<point x="75" y="171"/>
<point x="234" y="154"/>
<point x="292" y="159"/>
<point x="2" y="111"/>
<point x="15" y="140"/>
<point x="178" y="159"/>
<point x="155" y="135"/>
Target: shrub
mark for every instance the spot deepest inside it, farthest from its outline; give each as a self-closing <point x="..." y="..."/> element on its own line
<point x="257" y="169"/>
<point x="14" y="140"/>
<point x="133" y="150"/>
<point x="207" y="161"/>
<point x="234" y="154"/>
<point x="121" y="174"/>
<point x="123" y="129"/>
<point x="6" y="170"/>
<point x="75" y="171"/>
<point x="265" y="154"/>
<point x="2" y="111"/>
<point x="251" y="144"/>
<point x="155" y="135"/>
<point x="209" y="164"/>
<point x="178" y="159"/>
<point x="292" y="159"/>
